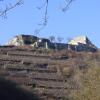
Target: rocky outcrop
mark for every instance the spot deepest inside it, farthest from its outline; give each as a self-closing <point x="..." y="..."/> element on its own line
<point x="81" y="43"/>
<point x="22" y="40"/>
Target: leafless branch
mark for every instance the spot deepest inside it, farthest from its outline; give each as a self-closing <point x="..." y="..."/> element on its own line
<point x="9" y="6"/>
<point x="68" y="2"/>
<point x="46" y="13"/>
<point x="45" y="18"/>
<point x="45" y="4"/>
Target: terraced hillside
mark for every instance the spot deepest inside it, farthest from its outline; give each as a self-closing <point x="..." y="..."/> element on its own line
<point x="50" y="74"/>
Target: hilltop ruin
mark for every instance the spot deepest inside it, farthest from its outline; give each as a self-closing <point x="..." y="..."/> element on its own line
<point x="81" y="43"/>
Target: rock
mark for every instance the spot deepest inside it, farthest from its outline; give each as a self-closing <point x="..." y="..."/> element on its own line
<point x="22" y="40"/>
<point x="30" y="40"/>
<point x="79" y="39"/>
<point x="81" y="43"/>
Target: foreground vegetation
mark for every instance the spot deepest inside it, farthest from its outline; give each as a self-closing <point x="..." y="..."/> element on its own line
<point x="11" y="91"/>
<point x="88" y="78"/>
<point x="53" y="75"/>
<point x="85" y="70"/>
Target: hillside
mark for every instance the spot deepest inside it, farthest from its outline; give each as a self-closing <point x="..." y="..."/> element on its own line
<point x="53" y="75"/>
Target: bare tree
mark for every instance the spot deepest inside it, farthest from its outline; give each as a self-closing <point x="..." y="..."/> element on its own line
<point x="59" y="39"/>
<point x="52" y="38"/>
<point x="11" y="5"/>
<point x="45" y="4"/>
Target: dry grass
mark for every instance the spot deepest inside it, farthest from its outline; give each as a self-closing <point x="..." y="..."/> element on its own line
<point x="68" y="71"/>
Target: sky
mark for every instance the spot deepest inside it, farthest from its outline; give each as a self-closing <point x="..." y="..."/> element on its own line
<point x="81" y="18"/>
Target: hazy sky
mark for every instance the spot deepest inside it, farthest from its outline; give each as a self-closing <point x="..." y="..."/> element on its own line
<point x="82" y="18"/>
